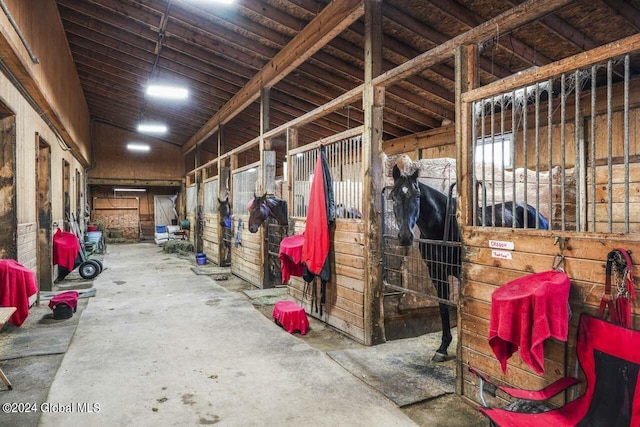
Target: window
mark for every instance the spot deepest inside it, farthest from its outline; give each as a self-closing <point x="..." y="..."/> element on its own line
<point x="497" y="149"/>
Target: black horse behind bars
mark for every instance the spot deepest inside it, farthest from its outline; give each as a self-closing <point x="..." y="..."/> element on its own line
<point x="418" y="204"/>
<point x="264" y="207"/>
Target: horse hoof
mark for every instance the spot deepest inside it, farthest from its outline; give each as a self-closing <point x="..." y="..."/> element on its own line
<point x="440" y="357"/>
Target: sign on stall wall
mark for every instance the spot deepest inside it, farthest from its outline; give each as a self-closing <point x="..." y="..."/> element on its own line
<point x="499" y="244"/>
<point x="500" y="249"/>
<point x="501" y="254"/>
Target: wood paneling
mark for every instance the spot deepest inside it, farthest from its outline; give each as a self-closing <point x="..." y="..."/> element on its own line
<point x="585" y="259"/>
<point x="114" y="161"/>
<point x="55" y="84"/>
<point x="344" y="308"/>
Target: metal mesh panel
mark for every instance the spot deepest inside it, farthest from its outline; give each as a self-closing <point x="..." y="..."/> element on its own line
<point x="211" y="196"/>
<point x="191" y="199"/>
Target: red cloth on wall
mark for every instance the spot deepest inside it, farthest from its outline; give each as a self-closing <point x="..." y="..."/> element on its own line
<point x="291" y="316"/>
<point x="17" y="284"/>
<point x="65" y="249"/>
<point x="290" y="255"/>
<point x="525" y="312"/>
<point x="316" y="244"/>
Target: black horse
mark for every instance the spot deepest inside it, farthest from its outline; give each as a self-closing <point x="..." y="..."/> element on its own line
<point x="264" y="207"/>
<point x="433" y="212"/>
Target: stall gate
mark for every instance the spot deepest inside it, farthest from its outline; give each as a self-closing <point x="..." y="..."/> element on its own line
<point x="411" y="294"/>
<point x="192" y="198"/>
<point x="563" y="139"/>
<point x="246" y="247"/>
<point x="344" y="303"/>
<point x="210" y="234"/>
<point x="275" y="234"/>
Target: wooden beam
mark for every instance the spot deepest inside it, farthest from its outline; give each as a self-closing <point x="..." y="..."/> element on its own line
<point x="373" y="176"/>
<point x="626" y="11"/>
<point x="466" y="79"/>
<point x="471" y="19"/>
<point x="330" y="22"/>
<point x="424" y="31"/>
<point x="564" y="30"/>
<point x="135" y="182"/>
<point x="438" y="137"/>
<point x="507" y="21"/>
<point x="584" y="59"/>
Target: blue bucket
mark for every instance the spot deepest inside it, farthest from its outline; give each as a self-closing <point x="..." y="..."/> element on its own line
<point x="201" y="259"/>
<point x="161" y="228"/>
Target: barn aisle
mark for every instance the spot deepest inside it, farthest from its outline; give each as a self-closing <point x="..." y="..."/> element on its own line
<point x="160" y="345"/>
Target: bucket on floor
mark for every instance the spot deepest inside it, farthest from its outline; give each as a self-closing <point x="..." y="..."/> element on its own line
<point x="201" y="259"/>
<point x="161" y="228"/>
<point x="93" y="236"/>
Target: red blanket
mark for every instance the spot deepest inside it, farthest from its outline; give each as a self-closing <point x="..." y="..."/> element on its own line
<point x="65" y="249"/>
<point x="527" y="311"/>
<point x="316" y="244"/>
<point x="17" y="284"/>
<point x="290" y="255"/>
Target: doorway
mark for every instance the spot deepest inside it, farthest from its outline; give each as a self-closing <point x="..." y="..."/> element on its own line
<point x="8" y="208"/>
<point x="43" y="189"/>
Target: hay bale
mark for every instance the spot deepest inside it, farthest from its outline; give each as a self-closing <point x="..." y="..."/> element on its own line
<point x="182" y="247"/>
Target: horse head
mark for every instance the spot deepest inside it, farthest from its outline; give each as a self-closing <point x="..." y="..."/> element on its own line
<point x="406" y="204"/>
<point x="259" y="211"/>
<point x="224" y="210"/>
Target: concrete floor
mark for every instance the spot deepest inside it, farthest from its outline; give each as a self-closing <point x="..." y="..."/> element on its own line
<point x="162" y="346"/>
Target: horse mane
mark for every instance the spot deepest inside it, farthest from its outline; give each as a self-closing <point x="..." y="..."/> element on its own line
<point x="279" y="209"/>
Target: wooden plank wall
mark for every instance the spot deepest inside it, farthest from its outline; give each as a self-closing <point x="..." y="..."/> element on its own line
<point x="27" y="238"/>
<point x="211" y="237"/>
<point x="344" y="308"/>
<point x="585" y="259"/>
<point x="246" y="258"/>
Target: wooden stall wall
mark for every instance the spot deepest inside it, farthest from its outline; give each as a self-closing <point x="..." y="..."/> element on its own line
<point x="246" y="251"/>
<point x="344" y="308"/>
<point x="584" y="252"/>
<point x="55" y="83"/>
<point x="210" y="234"/>
<point x="585" y="258"/>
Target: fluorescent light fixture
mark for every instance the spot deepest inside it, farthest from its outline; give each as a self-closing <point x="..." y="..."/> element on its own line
<point x="222" y="1"/>
<point x="136" y="146"/>
<point x="127" y="190"/>
<point x="152" y="128"/>
<point x="167" y="92"/>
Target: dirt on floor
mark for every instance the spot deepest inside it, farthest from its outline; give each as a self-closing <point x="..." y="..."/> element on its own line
<point x="448" y="410"/>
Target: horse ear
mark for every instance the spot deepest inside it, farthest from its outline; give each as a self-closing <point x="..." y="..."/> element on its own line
<point x="396" y="172"/>
<point x="414" y="176"/>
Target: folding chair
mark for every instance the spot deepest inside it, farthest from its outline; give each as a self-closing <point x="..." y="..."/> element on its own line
<point x="5" y="314"/>
<point x="609" y="356"/>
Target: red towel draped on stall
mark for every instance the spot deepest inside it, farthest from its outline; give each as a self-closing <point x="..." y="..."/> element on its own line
<point x="290" y="255"/>
<point x="17" y="284"/>
<point x="525" y="312"/>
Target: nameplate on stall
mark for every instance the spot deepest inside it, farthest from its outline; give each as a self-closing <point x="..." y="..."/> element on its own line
<point x="501" y="254"/>
<point x="499" y="244"/>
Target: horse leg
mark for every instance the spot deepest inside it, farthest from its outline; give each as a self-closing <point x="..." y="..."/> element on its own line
<point x="441" y="354"/>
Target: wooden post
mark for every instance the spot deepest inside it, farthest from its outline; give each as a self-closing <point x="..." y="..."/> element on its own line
<point x="373" y="103"/>
<point x="466" y="79"/>
<point x="197" y="227"/>
<point x="292" y="142"/>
